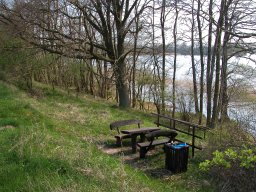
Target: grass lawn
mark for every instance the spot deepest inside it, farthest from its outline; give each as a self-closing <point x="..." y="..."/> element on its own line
<point x="50" y="142"/>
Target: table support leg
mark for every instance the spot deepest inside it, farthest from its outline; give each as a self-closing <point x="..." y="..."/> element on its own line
<point x="134" y="143"/>
<point x="142" y="137"/>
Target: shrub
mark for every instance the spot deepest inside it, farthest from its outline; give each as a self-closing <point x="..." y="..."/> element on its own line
<point x="236" y="167"/>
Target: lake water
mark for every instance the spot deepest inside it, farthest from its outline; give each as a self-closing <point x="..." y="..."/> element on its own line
<point x="243" y="112"/>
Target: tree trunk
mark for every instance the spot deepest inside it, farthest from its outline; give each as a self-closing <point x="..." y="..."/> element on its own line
<point x="201" y="62"/>
<point x="121" y="85"/>
<point x="193" y="62"/>
<point x="135" y="58"/>
<point x="175" y="61"/>
<point x="91" y="79"/>
<point x="162" y="21"/>
<point x="82" y="77"/>
<point x="217" y="73"/>
<point x="105" y="80"/>
<point x="210" y="64"/>
<point x="156" y="70"/>
<point x="224" y="86"/>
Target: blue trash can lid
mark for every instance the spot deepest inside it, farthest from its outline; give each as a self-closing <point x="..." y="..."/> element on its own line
<point x="179" y="145"/>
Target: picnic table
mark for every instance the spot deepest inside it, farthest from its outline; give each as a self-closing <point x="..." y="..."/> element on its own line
<point x="135" y="132"/>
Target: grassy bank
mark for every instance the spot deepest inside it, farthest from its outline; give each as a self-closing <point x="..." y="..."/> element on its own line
<point x="50" y="142"/>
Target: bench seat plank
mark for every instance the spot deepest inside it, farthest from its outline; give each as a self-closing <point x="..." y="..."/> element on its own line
<point x="120" y="137"/>
<point x="168" y="135"/>
<point x="123" y="136"/>
<point x="154" y="143"/>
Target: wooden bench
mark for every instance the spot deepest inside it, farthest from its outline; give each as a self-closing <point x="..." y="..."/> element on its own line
<point x="141" y="132"/>
<point x="117" y="124"/>
<point x="168" y="135"/>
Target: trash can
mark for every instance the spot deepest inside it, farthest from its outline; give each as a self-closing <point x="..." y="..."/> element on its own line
<point x="176" y="157"/>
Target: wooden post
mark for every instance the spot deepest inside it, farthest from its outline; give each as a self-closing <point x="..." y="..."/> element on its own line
<point x="193" y="141"/>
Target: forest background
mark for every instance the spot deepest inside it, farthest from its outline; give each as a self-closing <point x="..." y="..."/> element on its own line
<point x="96" y="47"/>
<point x="128" y="51"/>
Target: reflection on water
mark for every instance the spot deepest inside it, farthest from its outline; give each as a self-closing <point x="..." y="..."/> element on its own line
<point x="245" y="114"/>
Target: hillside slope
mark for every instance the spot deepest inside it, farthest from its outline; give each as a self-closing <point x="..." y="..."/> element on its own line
<point x="48" y="142"/>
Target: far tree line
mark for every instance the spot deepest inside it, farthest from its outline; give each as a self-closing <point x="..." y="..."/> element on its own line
<point x="96" y="46"/>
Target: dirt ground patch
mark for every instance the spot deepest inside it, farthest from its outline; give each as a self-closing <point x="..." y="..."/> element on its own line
<point x="149" y="165"/>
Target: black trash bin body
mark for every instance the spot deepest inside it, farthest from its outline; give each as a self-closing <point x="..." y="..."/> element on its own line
<point x="176" y="157"/>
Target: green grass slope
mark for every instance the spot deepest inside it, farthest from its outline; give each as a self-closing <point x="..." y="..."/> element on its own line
<point x="49" y="143"/>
